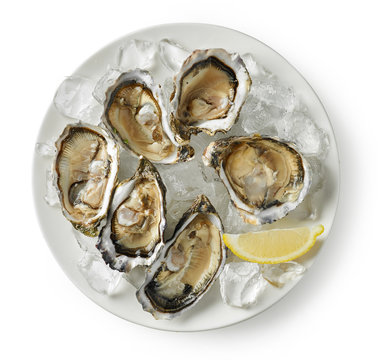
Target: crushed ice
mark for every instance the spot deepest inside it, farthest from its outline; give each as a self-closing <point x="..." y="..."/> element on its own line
<point x="46" y="149"/>
<point x="272" y="109"/>
<point x="86" y="243"/>
<point x="136" y="54"/>
<point x="74" y="99"/>
<point x="107" y="80"/>
<point x="99" y="276"/>
<point x="136" y="276"/>
<point x="172" y="55"/>
<point x="241" y="284"/>
<point x="280" y="274"/>
<point x="51" y="196"/>
<point x="298" y="128"/>
<point x="253" y="67"/>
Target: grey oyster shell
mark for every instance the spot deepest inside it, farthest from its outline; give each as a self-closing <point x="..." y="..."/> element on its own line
<point x="133" y="233"/>
<point x="210" y="89"/>
<point x="135" y="115"/>
<point x="189" y="264"/>
<point x="265" y="177"/>
<point x="85" y="173"/>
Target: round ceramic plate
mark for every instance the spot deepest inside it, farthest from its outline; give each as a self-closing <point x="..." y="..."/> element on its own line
<point x="210" y="312"/>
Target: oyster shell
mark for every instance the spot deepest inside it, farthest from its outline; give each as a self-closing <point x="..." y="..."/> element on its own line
<point x="133" y="234"/>
<point x="134" y="113"/>
<point x="266" y="178"/>
<point x="210" y="89"/>
<point x="85" y="173"/>
<point x="189" y="264"/>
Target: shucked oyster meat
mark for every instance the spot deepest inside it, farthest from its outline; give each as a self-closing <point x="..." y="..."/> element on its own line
<point x="133" y="234"/>
<point x="189" y="264"/>
<point x="210" y="89"/>
<point x="85" y="172"/>
<point x="135" y="114"/>
<point x="266" y="178"/>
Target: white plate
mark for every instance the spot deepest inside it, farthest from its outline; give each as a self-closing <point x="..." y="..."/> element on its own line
<point x="210" y="312"/>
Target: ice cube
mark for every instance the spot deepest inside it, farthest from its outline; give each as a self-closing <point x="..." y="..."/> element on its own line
<point x="136" y="54"/>
<point x="304" y="211"/>
<point x="233" y="222"/>
<point x="254" y="68"/>
<point x="175" y="210"/>
<point x="46" y="149"/>
<point x="256" y="116"/>
<point x="272" y="92"/>
<point x="99" y="276"/>
<point x="136" y="276"/>
<point x="184" y="183"/>
<point x="86" y="243"/>
<point x="208" y="173"/>
<point x="107" y="80"/>
<point x="280" y="274"/>
<point x="199" y="142"/>
<point x="129" y="164"/>
<point x="73" y="96"/>
<point x="273" y="109"/>
<point x="241" y="284"/>
<point x="51" y="197"/>
<point x="218" y="196"/>
<point x="182" y="180"/>
<point x="298" y="128"/>
<point x="167" y="92"/>
<point x="231" y="257"/>
<point x="317" y="173"/>
<point x="91" y="114"/>
<point x="172" y="55"/>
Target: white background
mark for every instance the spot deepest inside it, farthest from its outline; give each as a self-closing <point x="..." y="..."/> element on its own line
<point x="331" y="313"/>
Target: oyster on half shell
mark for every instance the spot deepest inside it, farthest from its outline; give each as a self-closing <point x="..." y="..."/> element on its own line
<point x="133" y="234"/>
<point x="266" y="178"/>
<point x="189" y="264"/>
<point x="85" y="173"/>
<point x="135" y="115"/>
<point x="210" y="89"/>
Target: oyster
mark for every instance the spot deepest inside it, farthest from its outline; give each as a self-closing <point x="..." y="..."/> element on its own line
<point x="133" y="234"/>
<point x="133" y="113"/>
<point x="210" y="89"/>
<point x="189" y="264"/>
<point x="85" y="173"/>
<point x="266" y="178"/>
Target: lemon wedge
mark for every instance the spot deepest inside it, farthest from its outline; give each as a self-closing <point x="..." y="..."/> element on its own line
<point x="273" y="246"/>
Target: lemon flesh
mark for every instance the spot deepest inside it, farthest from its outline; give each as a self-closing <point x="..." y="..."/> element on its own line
<point x="273" y="246"/>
